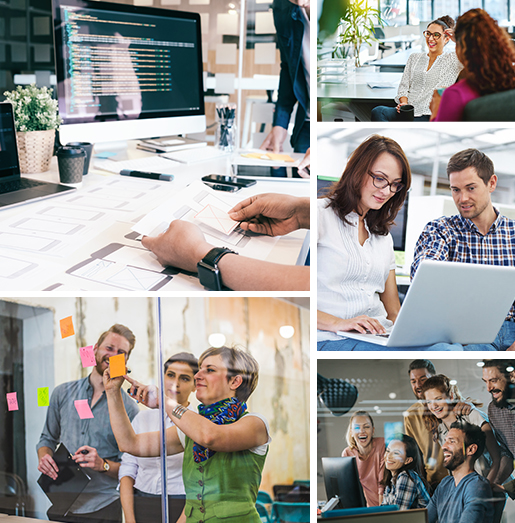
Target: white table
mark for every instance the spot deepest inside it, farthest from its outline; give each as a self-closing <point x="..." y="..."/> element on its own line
<point x="404" y="40"/>
<point x="91" y="228"/>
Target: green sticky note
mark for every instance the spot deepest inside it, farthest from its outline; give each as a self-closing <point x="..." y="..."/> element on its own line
<point x="43" y="397"/>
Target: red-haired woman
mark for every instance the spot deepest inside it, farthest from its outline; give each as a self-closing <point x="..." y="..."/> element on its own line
<point x="357" y="290"/>
<point x="488" y="57"/>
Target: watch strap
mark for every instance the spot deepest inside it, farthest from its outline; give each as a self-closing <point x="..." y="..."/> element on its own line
<point x="215" y="255"/>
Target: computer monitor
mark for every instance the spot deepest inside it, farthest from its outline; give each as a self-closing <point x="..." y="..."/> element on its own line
<point x="398" y="231"/>
<point x="342" y="479"/>
<point x="127" y="72"/>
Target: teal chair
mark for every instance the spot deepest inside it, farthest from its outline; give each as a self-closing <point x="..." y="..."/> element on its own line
<point x="283" y="512"/>
<point x="264" y="497"/>
<point x="263" y="512"/>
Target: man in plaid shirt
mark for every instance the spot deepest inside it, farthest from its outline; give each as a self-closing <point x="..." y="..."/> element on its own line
<point x="479" y="234"/>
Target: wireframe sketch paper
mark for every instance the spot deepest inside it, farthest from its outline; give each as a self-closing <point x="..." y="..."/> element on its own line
<point x="216" y="218"/>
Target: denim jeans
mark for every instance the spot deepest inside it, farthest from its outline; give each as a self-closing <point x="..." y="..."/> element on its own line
<point x="382" y="113"/>
<point x="348" y="344"/>
<point x="505" y="337"/>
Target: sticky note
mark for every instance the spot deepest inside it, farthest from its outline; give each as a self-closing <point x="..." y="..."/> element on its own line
<point x="66" y="325"/>
<point x="117" y="365"/>
<point x="227" y="24"/>
<point x="280" y="157"/>
<point x="264" y="53"/>
<point x="217" y="219"/>
<point x="257" y="156"/>
<point x="12" y="401"/>
<point x="224" y="83"/>
<point x="265" y="23"/>
<point x="87" y="356"/>
<point x="226" y="54"/>
<point x="43" y="399"/>
<point x="83" y="409"/>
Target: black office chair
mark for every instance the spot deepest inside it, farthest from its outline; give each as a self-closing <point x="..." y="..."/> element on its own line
<point x="379" y="34"/>
<point x="12" y="494"/>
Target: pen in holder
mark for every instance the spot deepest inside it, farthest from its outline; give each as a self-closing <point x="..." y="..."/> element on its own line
<point x="225" y="137"/>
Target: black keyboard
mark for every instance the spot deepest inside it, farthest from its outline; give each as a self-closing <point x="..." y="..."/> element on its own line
<point x="16" y="185"/>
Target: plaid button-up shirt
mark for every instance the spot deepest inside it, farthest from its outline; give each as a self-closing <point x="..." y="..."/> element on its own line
<point x="458" y="239"/>
<point x="502" y="420"/>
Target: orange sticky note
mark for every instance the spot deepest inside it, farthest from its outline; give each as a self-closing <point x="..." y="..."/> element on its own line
<point x="117" y="365"/>
<point x="66" y="325"/>
<point x="280" y="157"/>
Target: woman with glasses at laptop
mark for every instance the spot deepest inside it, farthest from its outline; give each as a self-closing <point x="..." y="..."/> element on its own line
<point x="424" y="72"/>
<point x="369" y="454"/>
<point x="440" y="399"/>
<point x="357" y="290"/>
<point x="488" y="57"/>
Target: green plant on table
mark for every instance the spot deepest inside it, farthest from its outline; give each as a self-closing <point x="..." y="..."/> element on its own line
<point x="34" y="108"/>
<point x="358" y="22"/>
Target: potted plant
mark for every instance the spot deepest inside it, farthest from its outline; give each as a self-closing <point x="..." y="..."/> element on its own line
<point x="36" y="120"/>
<point x="357" y="24"/>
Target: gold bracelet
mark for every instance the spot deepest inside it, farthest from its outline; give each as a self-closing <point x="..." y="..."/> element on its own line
<point x="179" y="411"/>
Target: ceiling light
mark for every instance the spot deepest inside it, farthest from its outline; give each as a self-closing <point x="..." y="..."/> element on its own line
<point x="286" y="331"/>
<point x="216" y="340"/>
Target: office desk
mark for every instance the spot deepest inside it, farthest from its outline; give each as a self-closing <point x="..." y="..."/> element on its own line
<point x="396" y="62"/>
<point x="404" y="40"/>
<point x="67" y="243"/>
<point x="358" y="95"/>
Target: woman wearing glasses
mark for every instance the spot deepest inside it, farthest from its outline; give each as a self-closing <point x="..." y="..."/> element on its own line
<point x="488" y="57"/>
<point x="424" y="72"/>
<point x="357" y="290"/>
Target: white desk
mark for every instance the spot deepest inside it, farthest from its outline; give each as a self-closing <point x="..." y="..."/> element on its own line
<point x="395" y="62"/>
<point x="63" y="242"/>
<point x="357" y="89"/>
<point x="404" y="40"/>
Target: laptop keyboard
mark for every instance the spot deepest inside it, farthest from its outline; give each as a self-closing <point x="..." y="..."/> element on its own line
<point x="16" y="185"/>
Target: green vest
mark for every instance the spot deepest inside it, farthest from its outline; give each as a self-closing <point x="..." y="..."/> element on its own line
<point x="224" y="487"/>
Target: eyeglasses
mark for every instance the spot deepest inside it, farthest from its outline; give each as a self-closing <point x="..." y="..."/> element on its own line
<point x="382" y="183"/>
<point x="428" y="35"/>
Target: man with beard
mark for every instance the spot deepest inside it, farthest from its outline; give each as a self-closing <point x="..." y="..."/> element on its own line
<point x="91" y="441"/>
<point x="499" y="376"/>
<point x="478" y="234"/>
<point x="419" y="371"/>
<point x="463" y="497"/>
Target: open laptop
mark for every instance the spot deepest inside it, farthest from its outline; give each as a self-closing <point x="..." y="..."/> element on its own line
<point x="15" y="190"/>
<point x="450" y="302"/>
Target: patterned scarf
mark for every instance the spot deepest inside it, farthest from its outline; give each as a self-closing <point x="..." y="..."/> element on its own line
<point x="222" y="412"/>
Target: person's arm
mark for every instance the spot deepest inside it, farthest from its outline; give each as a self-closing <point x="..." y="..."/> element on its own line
<point x="431" y="245"/>
<point x="390" y="297"/>
<point x="144" y="445"/>
<point x="432" y="512"/>
<point x="50" y="436"/>
<point x="493" y="450"/>
<point x="95" y="462"/>
<point x="305" y="164"/>
<point x="405" y="491"/>
<point x="477" y="503"/>
<point x="127" y="498"/>
<point x="362" y="324"/>
<point x="182" y="517"/>
<point x="246" y="433"/>
<point x="405" y="83"/>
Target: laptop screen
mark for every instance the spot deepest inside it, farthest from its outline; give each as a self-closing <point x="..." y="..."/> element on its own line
<point x="9" y="166"/>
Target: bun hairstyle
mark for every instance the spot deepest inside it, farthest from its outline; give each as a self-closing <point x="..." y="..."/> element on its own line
<point x="445" y="22"/>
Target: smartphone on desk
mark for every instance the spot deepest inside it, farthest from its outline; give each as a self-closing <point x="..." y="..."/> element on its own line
<point x="228" y="180"/>
<point x="223" y="187"/>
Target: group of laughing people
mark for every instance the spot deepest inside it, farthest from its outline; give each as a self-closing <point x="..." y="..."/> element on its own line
<point x="452" y="458"/>
<point x="357" y="288"/>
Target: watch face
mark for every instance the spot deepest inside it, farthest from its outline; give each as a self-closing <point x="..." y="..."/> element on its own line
<point x="106" y="466"/>
<point x="209" y="276"/>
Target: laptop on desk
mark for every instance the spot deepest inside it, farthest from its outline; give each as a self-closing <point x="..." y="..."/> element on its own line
<point x="14" y="189"/>
<point x="450" y="302"/>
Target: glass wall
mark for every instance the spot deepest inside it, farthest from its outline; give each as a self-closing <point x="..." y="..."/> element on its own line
<point x="53" y="394"/>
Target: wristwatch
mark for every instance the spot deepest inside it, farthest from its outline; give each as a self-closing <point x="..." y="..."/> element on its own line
<point x="208" y="271"/>
<point x="106" y="466"/>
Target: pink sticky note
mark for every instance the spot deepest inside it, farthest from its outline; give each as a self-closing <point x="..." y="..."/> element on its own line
<point x="12" y="401"/>
<point x="87" y="356"/>
<point x="83" y="409"/>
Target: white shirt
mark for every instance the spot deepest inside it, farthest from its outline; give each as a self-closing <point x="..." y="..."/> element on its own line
<point x="146" y="472"/>
<point x="418" y="84"/>
<point x="350" y="275"/>
<point x="260" y="450"/>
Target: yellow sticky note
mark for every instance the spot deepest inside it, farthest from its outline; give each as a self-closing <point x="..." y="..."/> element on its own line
<point x="257" y="156"/>
<point x="117" y="365"/>
<point x="43" y="397"/>
<point x="66" y="325"/>
<point x="280" y="157"/>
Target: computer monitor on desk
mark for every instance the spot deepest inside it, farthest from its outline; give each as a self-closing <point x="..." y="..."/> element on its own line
<point x="127" y="72"/>
<point x="342" y="479"/>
